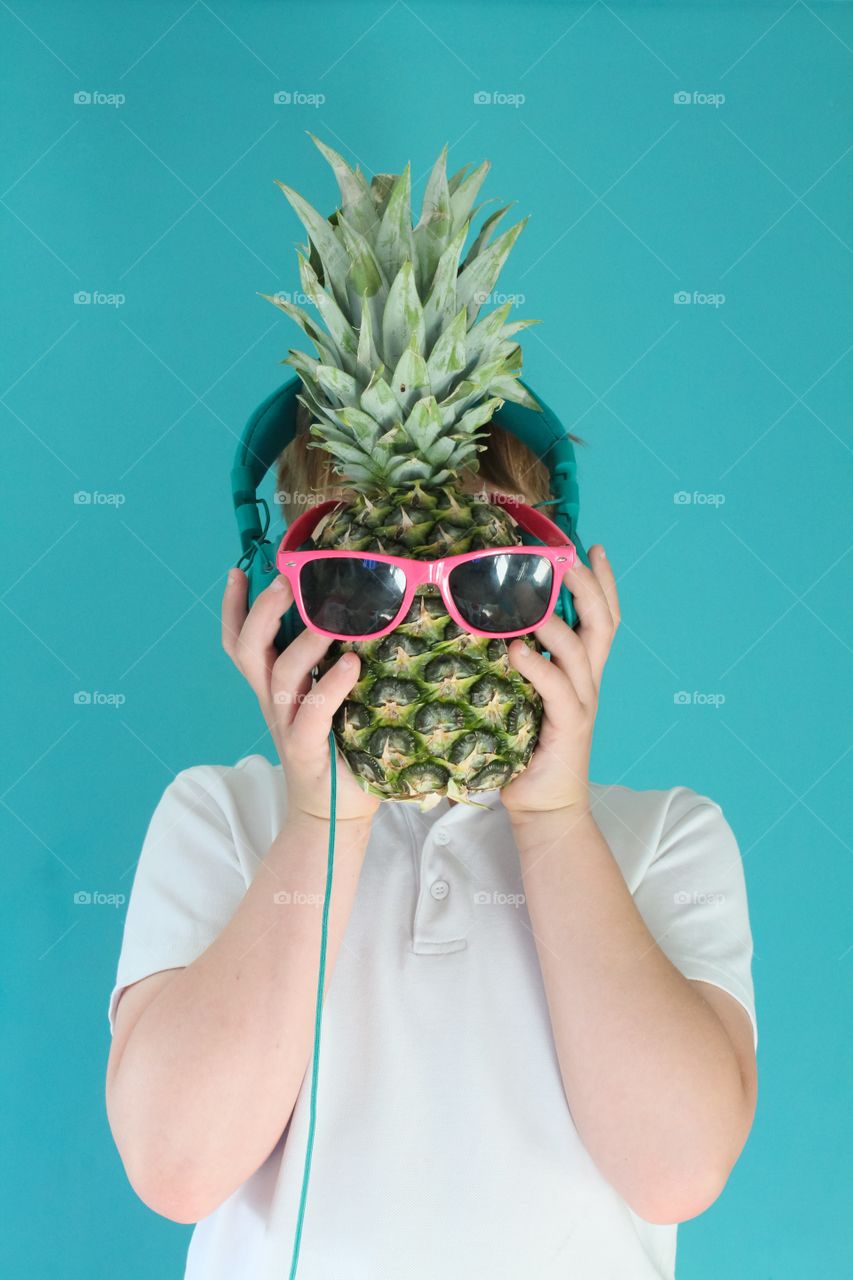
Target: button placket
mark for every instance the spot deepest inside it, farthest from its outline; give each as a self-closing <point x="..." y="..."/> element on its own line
<point x="443" y="912"/>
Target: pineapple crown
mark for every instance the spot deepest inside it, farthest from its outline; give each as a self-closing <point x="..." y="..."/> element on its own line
<point x="405" y="373"/>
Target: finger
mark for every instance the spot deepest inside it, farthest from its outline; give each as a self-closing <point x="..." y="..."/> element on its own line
<point x="596" y="625"/>
<point x="547" y="679"/>
<point x="254" y="651"/>
<point x="569" y="654"/>
<point x="606" y="578"/>
<point x="233" y="609"/>
<point x="285" y="699"/>
<point x="290" y="678"/>
<point x="312" y="722"/>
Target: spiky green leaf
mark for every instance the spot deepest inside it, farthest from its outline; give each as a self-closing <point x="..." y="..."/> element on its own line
<point x="367" y="357"/>
<point x="458" y="176"/>
<point x="355" y="193"/>
<point x="365" y="273"/>
<point x="403" y="320"/>
<point x="306" y="366"/>
<point x="334" y="318"/>
<point x="332" y="253"/>
<point x="477" y="280"/>
<point x="348" y="453"/>
<point x="394" y="243"/>
<point x="512" y="389"/>
<point x="410" y="377"/>
<point x="485" y="231"/>
<point x="485" y="331"/>
<point x="407" y="470"/>
<point x="379" y="401"/>
<point x="365" y="429"/>
<point x="435" y="225"/>
<point x="447" y="360"/>
<point x="478" y="416"/>
<point x="381" y="185"/>
<point x="322" y="340"/>
<point x="462" y="197"/>
<point x="423" y="425"/>
<point x="441" y="305"/>
<point x="338" y="384"/>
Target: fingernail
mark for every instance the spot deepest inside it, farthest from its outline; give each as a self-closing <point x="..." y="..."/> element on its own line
<point x="232" y="576"/>
<point x="602" y="554"/>
<point x="347" y="660"/>
<point x="278" y="585"/>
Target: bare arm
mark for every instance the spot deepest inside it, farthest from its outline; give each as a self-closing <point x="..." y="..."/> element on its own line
<point x="207" y="1061"/>
<point x="201" y="1085"/>
<point x="659" y="1072"/>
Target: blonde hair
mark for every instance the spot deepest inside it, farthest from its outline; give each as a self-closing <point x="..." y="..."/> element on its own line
<point x="306" y="475"/>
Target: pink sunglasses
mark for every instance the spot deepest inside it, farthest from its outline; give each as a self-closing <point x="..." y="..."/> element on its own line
<point x="355" y="595"/>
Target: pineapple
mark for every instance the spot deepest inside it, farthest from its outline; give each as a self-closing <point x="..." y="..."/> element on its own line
<point x="404" y="378"/>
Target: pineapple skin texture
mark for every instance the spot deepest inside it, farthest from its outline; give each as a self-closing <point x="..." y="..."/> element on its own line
<point x="437" y="711"/>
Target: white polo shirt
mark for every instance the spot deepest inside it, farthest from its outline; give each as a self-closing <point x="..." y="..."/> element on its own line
<point x="444" y="1149"/>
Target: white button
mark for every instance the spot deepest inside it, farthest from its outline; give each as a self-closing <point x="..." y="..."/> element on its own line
<point x="439" y="889"/>
<point x="441" y="837"/>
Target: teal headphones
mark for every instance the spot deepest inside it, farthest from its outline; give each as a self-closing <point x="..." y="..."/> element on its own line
<point x="273" y="425"/>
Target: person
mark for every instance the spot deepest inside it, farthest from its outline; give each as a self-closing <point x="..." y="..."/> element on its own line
<point x="539" y="1028"/>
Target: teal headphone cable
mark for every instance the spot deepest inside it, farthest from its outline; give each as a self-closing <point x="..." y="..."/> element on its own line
<point x="318" y="1016"/>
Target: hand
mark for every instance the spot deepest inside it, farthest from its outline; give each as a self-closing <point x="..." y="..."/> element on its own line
<point x="298" y="715"/>
<point x="557" y="776"/>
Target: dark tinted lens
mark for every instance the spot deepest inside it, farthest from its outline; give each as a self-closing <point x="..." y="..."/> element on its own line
<point x="351" y="596"/>
<point x="500" y="593"/>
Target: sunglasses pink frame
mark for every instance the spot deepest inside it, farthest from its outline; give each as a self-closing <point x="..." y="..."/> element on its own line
<point x="557" y="549"/>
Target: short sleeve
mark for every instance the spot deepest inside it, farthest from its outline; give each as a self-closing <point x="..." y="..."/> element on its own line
<point x="187" y="885"/>
<point x="693" y="898"/>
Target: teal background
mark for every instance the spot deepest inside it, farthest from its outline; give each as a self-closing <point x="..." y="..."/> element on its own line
<point x="169" y="200"/>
